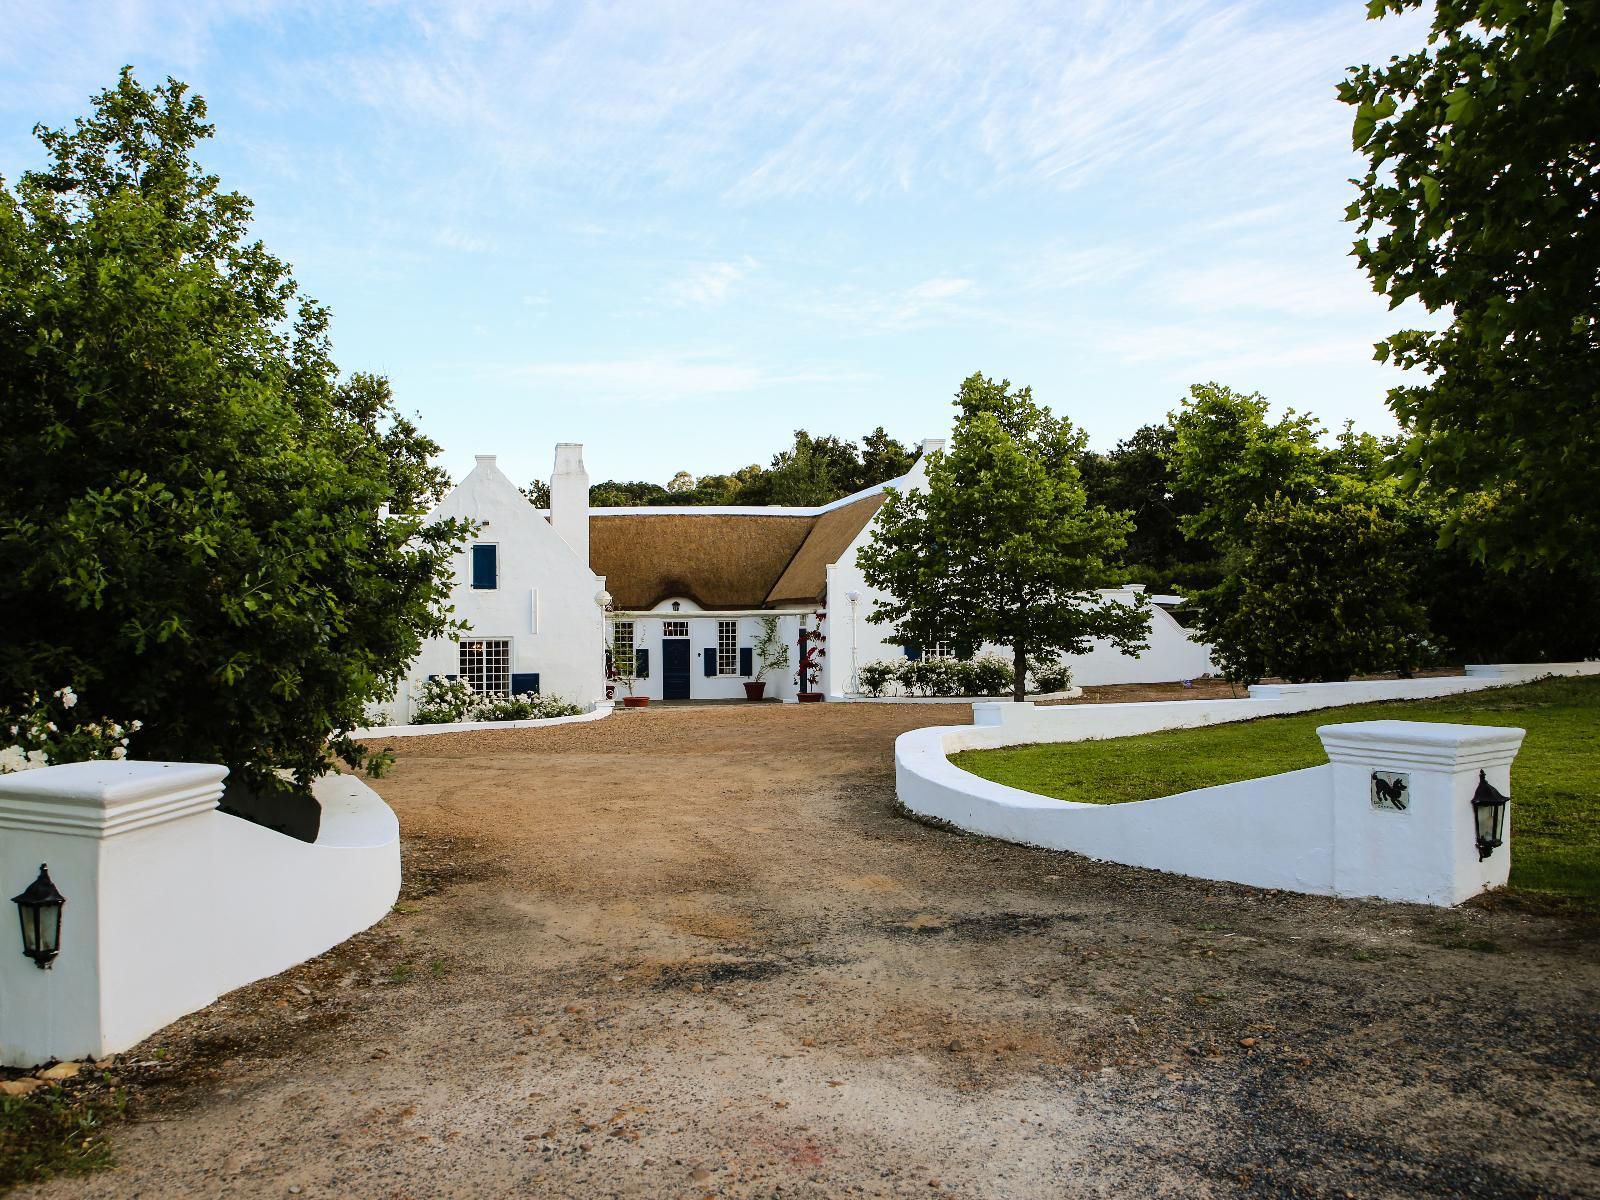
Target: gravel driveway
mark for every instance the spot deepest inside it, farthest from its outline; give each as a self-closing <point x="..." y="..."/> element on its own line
<point x="696" y="952"/>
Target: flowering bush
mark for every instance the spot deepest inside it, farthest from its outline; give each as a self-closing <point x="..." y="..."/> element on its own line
<point x="45" y="731"/>
<point x="444" y="701"/>
<point x="811" y="654"/>
<point x="1057" y="677"/>
<point x="989" y="675"/>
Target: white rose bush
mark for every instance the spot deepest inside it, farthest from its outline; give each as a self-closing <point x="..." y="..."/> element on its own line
<point x="45" y="730"/>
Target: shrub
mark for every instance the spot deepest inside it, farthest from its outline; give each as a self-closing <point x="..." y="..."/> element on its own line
<point x="987" y="675"/>
<point x="443" y="701"/>
<point x="1052" y="677"/>
<point x="45" y="730"/>
<point x="529" y="706"/>
<point x="875" y="678"/>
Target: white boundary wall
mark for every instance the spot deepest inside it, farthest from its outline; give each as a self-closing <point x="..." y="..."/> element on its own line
<point x="1312" y="830"/>
<point x="170" y="902"/>
<point x="596" y="712"/>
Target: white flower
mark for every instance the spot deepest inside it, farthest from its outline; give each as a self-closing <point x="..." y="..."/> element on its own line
<point x="67" y="696"/>
<point x="136" y="726"/>
<point x="119" y="752"/>
<point x="51" y="726"/>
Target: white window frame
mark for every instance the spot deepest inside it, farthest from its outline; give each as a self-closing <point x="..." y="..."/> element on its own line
<point x="492" y="665"/>
<point x="939" y="652"/>
<point x="727" y="647"/>
<point x="623" y="648"/>
<point x="674" y="629"/>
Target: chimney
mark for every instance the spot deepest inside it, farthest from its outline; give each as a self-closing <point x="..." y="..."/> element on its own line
<point x="569" y="499"/>
<point x="929" y="445"/>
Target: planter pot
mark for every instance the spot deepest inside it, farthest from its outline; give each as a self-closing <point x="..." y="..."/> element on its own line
<point x="810" y="697"/>
<point x="756" y="690"/>
<point x="636" y="702"/>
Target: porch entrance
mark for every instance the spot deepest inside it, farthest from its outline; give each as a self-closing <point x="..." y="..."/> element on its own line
<point x="675" y="668"/>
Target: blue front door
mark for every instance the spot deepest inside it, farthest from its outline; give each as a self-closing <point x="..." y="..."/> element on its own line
<point x="674" y="668"/>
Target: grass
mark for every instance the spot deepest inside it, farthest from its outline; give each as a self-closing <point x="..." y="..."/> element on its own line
<point x="53" y="1133"/>
<point x="1555" y="846"/>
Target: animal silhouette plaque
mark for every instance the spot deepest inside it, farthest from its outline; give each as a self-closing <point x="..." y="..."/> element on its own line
<point x="1391" y="790"/>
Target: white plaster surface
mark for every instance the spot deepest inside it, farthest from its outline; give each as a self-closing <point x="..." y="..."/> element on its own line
<point x="170" y="902"/>
<point x="545" y="599"/>
<point x="1312" y="830"/>
<point x="600" y="710"/>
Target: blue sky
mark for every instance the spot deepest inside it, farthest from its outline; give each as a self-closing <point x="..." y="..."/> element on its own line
<point x="677" y="231"/>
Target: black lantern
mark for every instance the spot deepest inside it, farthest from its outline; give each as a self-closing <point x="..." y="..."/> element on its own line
<point x="1489" y="811"/>
<point x="40" y="909"/>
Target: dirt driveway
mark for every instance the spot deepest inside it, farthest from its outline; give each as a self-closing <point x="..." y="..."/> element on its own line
<point x="696" y="952"/>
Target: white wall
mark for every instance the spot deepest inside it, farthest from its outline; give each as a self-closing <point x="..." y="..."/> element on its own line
<point x="545" y="602"/>
<point x="1312" y="830"/>
<point x="171" y="903"/>
<point x="703" y="635"/>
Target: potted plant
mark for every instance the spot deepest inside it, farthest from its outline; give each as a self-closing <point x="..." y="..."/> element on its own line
<point x="811" y="655"/>
<point x="771" y="654"/>
<point x="620" y="667"/>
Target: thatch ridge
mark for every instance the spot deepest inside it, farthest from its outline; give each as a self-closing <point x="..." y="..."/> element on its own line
<point x="718" y="560"/>
<point x="805" y="579"/>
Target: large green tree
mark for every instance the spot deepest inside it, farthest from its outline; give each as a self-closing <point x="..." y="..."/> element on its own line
<point x="189" y="495"/>
<point x="1482" y="201"/>
<point x="1003" y="547"/>
<point x="1322" y="556"/>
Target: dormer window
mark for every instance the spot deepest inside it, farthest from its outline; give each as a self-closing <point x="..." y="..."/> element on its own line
<point x="485" y="567"/>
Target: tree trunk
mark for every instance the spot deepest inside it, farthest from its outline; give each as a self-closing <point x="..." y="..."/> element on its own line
<point x="1019" y="664"/>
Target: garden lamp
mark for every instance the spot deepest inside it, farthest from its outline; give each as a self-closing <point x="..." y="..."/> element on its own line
<point x="39" y="907"/>
<point x="1489" y="812"/>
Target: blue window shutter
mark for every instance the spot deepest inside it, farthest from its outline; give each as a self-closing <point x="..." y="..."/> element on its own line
<point x="711" y="660"/>
<point x="485" y="567"/>
<point x="524" y="682"/>
<point x="747" y="661"/>
<point x="641" y="664"/>
<point x="913" y="653"/>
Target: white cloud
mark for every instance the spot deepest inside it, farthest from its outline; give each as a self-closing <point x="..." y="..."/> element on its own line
<point x="710" y="283"/>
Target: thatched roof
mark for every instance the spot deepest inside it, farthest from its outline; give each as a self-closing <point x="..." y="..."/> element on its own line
<point x="805" y="580"/>
<point x="717" y="559"/>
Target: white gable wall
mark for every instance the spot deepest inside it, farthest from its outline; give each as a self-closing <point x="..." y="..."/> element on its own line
<point x="544" y="602"/>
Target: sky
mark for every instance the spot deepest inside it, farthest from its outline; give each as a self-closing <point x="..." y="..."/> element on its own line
<point x="676" y="232"/>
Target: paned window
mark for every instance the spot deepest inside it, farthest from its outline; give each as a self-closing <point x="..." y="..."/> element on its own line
<point x="727" y="647"/>
<point x="622" y="648"/>
<point x="674" y="629"/>
<point x="486" y="665"/>
<point x="939" y="652"/>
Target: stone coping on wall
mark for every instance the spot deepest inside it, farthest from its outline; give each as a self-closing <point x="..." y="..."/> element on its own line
<point x="600" y="710"/>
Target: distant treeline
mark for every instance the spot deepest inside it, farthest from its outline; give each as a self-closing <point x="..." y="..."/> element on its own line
<point x="814" y="470"/>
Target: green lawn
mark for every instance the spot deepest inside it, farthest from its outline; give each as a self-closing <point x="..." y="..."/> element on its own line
<point x="1555" y="779"/>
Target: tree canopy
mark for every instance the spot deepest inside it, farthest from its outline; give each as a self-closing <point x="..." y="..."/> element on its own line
<point x="1003" y="547"/>
<point x="812" y="471"/>
<point x="189" y="494"/>
<point x="1481" y="201"/>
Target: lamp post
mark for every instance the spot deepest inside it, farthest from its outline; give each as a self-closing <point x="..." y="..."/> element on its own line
<point x="855" y="682"/>
<point x="1489" y="813"/>
<point x="39" y="908"/>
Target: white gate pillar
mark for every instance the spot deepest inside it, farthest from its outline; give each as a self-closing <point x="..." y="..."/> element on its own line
<point x="129" y="844"/>
<point x="1414" y="837"/>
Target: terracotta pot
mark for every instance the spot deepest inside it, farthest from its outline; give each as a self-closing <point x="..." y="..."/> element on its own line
<point x="636" y="702"/>
<point x="810" y="697"/>
<point x="755" y="690"/>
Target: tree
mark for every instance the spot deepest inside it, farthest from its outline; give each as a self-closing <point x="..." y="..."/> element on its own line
<point x="1004" y="546"/>
<point x="1137" y="477"/>
<point x="538" y="493"/>
<point x="1321" y="555"/>
<point x="1480" y="202"/>
<point x="189" y="497"/>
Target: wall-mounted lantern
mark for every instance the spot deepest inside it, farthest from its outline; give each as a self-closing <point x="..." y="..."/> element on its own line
<point x="39" y="907"/>
<point x="603" y="599"/>
<point x="1489" y="811"/>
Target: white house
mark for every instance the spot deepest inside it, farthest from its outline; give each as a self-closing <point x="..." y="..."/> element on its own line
<point x="688" y="590"/>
